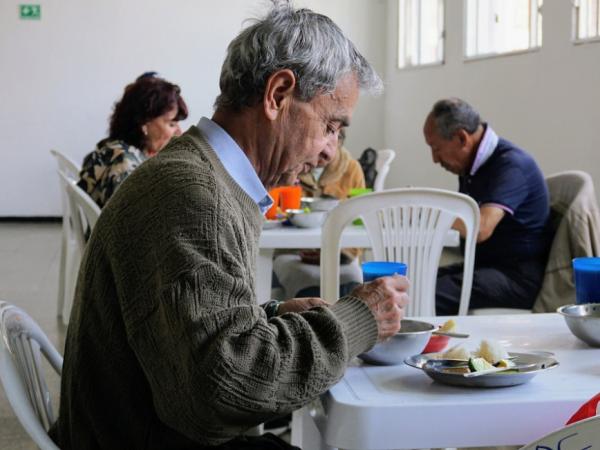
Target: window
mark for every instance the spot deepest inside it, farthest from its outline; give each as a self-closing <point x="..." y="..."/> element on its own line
<point x="421" y="32"/>
<point x="502" y="26"/>
<point x="587" y="17"/>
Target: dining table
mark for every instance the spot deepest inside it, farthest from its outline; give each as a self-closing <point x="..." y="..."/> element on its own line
<point x="290" y="237"/>
<point x="401" y="407"/>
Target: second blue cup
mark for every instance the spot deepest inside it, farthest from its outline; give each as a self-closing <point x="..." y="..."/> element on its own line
<point x="374" y="269"/>
<point x="587" y="279"/>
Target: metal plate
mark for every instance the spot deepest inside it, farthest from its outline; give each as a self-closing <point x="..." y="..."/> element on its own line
<point x="543" y="360"/>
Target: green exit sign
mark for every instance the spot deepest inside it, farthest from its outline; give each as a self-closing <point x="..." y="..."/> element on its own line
<point x="30" y="12"/>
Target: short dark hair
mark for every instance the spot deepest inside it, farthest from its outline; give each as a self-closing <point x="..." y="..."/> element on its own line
<point x="453" y="114"/>
<point x="147" y="98"/>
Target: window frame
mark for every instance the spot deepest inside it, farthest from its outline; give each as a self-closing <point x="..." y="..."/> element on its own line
<point x="534" y="26"/>
<point x="575" y="23"/>
<point x="401" y="35"/>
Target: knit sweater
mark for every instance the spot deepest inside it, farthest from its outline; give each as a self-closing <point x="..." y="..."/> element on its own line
<point x="166" y="346"/>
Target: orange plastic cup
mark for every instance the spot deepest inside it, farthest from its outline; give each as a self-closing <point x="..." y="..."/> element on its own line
<point x="290" y="197"/>
<point x="272" y="211"/>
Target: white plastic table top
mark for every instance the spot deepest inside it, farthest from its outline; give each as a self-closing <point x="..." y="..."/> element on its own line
<point x="398" y="407"/>
<point x="353" y="236"/>
<point x="285" y="237"/>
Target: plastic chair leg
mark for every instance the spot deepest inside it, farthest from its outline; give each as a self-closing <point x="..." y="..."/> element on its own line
<point x="60" y="301"/>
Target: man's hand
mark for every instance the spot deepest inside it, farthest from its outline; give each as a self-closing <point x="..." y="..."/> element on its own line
<point x="297" y="305"/>
<point x="386" y="297"/>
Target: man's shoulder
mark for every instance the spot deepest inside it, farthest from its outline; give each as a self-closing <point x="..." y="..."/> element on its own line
<point x="508" y="153"/>
<point x="185" y="157"/>
<point x="507" y="147"/>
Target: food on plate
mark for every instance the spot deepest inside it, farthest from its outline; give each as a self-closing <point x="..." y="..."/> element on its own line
<point x="505" y="363"/>
<point x="479" y="364"/>
<point x="449" y="325"/>
<point x="457" y="352"/>
<point x="490" y="354"/>
<point x="459" y="370"/>
<point x="492" y="351"/>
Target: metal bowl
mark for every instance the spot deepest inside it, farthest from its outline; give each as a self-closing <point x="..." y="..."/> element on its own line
<point x="303" y="219"/>
<point x="324" y="203"/>
<point x="320" y="203"/>
<point x="583" y="321"/>
<point x="410" y="340"/>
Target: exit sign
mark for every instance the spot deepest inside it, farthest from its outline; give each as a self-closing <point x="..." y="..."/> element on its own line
<point x="30" y="12"/>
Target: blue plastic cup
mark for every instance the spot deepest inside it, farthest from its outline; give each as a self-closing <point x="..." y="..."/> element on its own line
<point x="374" y="269"/>
<point x="587" y="279"/>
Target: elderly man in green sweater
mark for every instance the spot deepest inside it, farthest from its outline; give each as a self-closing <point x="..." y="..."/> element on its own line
<point x="167" y="346"/>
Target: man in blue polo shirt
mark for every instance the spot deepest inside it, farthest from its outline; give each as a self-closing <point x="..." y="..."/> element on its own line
<point x="513" y="201"/>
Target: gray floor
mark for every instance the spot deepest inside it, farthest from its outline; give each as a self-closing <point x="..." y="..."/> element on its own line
<point x="29" y="257"/>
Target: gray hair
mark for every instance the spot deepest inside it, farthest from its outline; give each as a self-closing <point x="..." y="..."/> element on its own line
<point x="309" y="44"/>
<point x="453" y="114"/>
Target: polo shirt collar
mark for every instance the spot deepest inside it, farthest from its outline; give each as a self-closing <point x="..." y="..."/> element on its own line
<point x="236" y="163"/>
<point x="488" y="144"/>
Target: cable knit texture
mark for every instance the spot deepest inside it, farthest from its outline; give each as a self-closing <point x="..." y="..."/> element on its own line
<point x="166" y="346"/>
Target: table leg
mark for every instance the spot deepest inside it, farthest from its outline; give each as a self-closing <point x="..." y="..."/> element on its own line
<point x="264" y="274"/>
<point x="305" y="433"/>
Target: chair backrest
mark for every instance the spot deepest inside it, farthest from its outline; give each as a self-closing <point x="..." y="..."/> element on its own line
<point x="575" y="222"/>
<point x="84" y="211"/>
<point x="579" y="435"/>
<point x="407" y="225"/>
<point x="66" y="164"/>
<point x="70" y="168"/>
<point x="382" y="165"/>
<point x="21" y="344"/>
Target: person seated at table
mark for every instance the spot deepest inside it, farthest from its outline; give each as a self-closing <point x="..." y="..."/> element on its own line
<point x="513" y="200"/>
<point x="143" y="122"/>
<point x="298" y="273"/>
<point x="167" y="345"/>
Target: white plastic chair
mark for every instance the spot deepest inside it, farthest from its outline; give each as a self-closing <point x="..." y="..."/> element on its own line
<point x="577" y="436"/>
<point x="84" y="213"/>
<point x="70" y="168"/>
<point x="382" y="165"/>
<point x="407" y="225"/>
<point x="66" y="164"/>
<point x="22" y="341"/>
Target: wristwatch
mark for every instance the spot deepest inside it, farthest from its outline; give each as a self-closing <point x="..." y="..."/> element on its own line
<point x="271" y="308"/>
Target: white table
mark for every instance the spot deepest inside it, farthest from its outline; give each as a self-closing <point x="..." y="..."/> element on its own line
<point x="399" y="407"/>
<point x="293" y="238"/>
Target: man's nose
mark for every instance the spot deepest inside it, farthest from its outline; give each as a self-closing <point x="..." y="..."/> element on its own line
<point x="435" y="158"/>
<point x="329" y="151"/>
<point x="177" y="130"/>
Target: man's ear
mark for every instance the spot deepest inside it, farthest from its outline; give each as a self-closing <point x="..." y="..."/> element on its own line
<point x="278" y="90"/>
<point x="463" y="137"/>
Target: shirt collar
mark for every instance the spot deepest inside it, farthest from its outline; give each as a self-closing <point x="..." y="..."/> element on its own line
<point x="235" y="162"/>
<point x="488" y="144"/>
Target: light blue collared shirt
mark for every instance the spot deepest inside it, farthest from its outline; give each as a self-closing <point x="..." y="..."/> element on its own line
<point x="488" y="144"/>
<point x="236" y="163"/>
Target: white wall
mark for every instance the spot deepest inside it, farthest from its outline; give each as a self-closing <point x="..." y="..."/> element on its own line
<point x="546" y="101"/>
<point x="60" y="76"/>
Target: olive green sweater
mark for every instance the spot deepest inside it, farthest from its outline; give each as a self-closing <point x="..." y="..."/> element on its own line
<point x="166" y="346"/>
